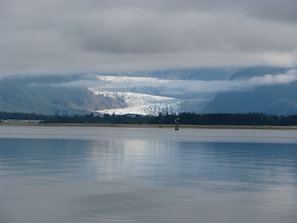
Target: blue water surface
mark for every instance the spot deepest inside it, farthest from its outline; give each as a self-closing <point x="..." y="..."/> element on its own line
<point x="96" y="174"/>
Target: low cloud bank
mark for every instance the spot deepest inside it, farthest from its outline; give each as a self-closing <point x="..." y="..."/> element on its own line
<point x="269" y="79"/>
<point x="182" y="88"/>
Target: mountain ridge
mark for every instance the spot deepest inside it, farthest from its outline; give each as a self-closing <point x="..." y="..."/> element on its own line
<point x="271" y="90"/>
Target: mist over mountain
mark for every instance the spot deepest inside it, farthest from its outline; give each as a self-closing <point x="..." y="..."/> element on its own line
<point x="271" y="90"/>
<point x="274" y="91"/>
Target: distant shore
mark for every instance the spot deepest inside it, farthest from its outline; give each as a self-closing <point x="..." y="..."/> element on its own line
<point x="152" y="126"/>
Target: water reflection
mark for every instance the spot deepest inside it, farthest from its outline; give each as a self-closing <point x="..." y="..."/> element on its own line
<point x="161" y="162"/>
<point x="135" y="176"/>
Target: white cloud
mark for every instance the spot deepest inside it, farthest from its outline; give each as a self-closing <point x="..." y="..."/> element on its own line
<point x="270" y="79"/>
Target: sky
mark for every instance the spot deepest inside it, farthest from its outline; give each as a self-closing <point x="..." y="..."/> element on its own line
<point x="62" y="36"/>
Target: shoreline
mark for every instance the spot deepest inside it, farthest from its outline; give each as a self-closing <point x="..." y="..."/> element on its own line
<point x="152" y="126"/>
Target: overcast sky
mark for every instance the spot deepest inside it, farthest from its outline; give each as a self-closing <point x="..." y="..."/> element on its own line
<point x="50" y="36"/>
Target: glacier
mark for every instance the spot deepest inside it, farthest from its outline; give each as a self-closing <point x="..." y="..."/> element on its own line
<point x="138" y="103"/>
<point x="148" y="95"/>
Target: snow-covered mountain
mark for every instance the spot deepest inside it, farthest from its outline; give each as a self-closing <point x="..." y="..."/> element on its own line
<point x="203" y="90"/>
<point x="149" y="95"/>
<point x="137" y="103"/>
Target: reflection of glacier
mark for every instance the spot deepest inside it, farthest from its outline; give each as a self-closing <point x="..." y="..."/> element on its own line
<point x="138" y="103"/>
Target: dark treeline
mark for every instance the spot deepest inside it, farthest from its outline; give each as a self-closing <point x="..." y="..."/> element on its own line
<point x="183" y="118"/>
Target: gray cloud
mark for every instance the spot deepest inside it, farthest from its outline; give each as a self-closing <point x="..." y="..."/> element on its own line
<point x="284" y="10"/>
<point x="65" y="36"/>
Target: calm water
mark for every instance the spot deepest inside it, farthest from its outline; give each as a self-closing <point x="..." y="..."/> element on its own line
<point x="93" y="174"/>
